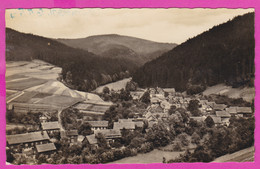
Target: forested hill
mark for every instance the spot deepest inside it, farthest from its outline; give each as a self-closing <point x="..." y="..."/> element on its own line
<point x="81" y="69"/>
<point x="225" y="53"/>
<point x="135" y="50"/>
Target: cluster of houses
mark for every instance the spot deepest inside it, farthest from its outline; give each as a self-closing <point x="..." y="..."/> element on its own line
<point x="161" y="102"/>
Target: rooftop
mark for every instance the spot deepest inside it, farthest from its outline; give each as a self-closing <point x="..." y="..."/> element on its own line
<point x="98" y="123"/>
<point x="27" y="137"/>
<point x="92" y="139"/>
<point x="222" y="114"/>
<point x="124" y="125"/>
<point x="244" y="110"/>
<point x="45" y="147"/>
<point x="50" y="125"/>
<point x="109" y="133"/>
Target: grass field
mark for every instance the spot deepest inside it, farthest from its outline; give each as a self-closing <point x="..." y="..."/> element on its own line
<point x="246" y="93"/>
<point x="245" y="155"/>
<point x="155" y="156"/>
<point x="116" y="86"/>
<point x="24" y="84"/>
<point x="61" y="101"/>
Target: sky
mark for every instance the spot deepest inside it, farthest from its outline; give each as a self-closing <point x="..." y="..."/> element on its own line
<point x="172" y="25"/>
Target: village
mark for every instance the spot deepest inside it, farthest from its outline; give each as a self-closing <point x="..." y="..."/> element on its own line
<point x="42" y="141"/>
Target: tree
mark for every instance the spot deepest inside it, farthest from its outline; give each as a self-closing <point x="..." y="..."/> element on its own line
<point x="193" y="107"/>
<point x="85" y="129"/>
<point x="101" y="140"/>
<point x="209" y="122"/>
<point x="131" y="86"/>
<point x="106" y="90"/>
<point x="146" y="98"/>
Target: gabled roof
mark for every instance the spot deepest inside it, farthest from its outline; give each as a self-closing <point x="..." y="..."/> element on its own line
<point x="151" y="123"/>
<point x="125" y="120"/>
<point x="98" y="123"/>
<point x="222" y="114"/>
<point x="92" y="139"/>
<point x="199" y="119"/>
<point x="109" y="133"/>
<point x="244" y="110"/>
<point x="169" y="90"/>
<point x="217" y="120"/>
<point x="219" y="106"/>
<point x="27" y="137"/>
<point x="45" y="147"/>
<point x="50" y="125"/>
<point x="232" y="110"/>
<point x="72" y="132"/>
<point x="124" y="125"/>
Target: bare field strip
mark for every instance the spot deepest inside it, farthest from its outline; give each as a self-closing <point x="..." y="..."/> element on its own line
<point x="24" y="84"/>
<point x="58" y="100"/>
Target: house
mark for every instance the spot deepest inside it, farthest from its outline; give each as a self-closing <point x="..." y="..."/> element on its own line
<point x="244" y="111"/>
<point x="136" y="95"/>
<point x="109" y="134"/>
<point x="43" y="119"/>
<point x="219" y="107"/>
<point x="27" y="140"/>
<point x="124" y="125"/>
<point x="91" y="139"/>
<point x="223" y="114"/>
<point x="199" y="119"/>
<point x="155" y="100"/>
<point x="51" y="127"/>
<point x="232" y="111"/>
<point x="166" y="106"/>
<point x="217" y="120"/>
<point x="150" y="117"/>
<point x="98" y="125"/>
<point x="156" y="109"/>
<point x="152" y="123"/>
<point x="71" y="134"/>
<point x="170" y="91"/>
<point x="47" y="149"/>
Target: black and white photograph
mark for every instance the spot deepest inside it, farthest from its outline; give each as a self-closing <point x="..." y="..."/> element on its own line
<point x="129" y="86"/>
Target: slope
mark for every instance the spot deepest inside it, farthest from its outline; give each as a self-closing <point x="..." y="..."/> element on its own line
<point x="80" y="69"/>
<point x="133" y="49"/>
<point x="223" y="54"/>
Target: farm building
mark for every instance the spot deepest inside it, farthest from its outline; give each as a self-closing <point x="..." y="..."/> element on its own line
<point x="47" y="149"/>
<point x="219" y="107"/>
<point x="223" y="114"/>
<point x="244" y="111"/>
<point x="124" y="125"/>
<point x="91" y="139"/>
<point x="98" y="125"/>
<point x="72" y="135"/>
<point x="109" y="133"/>
<point x="51" y="127"/>
<point x="27" y="139"/>
<point x="217" y="120"/>
<point x="232" y="111"/>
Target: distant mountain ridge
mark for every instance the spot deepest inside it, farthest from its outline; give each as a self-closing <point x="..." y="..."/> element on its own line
<point x="223" y="54"/>
<point x="81" y="69"/>
<point x="130" y="48"/>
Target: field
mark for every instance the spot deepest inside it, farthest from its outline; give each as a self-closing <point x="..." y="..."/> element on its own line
<point x="24" y="83"/>
<point x="245" y="155"/>
<point x="116" y="86"/>
<point x="246" y="93"/>
<point x="60" y="101"/>
<point x="155" y="156"/>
